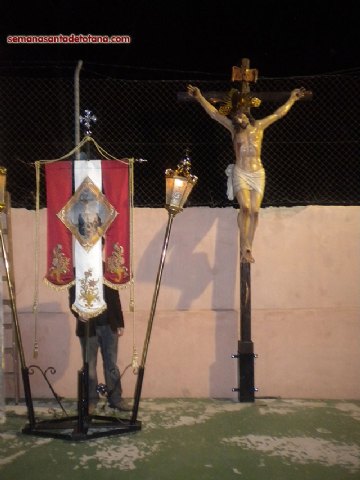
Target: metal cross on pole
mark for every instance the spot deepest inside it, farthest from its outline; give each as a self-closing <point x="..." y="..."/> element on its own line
<point x="86" y="120"/>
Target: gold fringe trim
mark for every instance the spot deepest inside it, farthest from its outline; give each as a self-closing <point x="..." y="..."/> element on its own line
<point x="88" y="316"/>
<point x="58" y="288"/>
<point x="115" y="286"/>
<point x="85" y="140"/>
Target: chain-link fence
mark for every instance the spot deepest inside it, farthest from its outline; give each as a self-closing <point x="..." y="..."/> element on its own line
<point x="311" y="156"/>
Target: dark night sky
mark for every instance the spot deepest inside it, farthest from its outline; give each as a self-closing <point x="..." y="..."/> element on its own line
<point x="202" y="39"/>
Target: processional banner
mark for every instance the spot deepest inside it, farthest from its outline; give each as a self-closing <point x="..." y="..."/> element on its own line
<point x="88" y="206"/>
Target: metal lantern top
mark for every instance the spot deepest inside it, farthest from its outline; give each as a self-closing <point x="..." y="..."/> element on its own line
<point x="179" y="184"/>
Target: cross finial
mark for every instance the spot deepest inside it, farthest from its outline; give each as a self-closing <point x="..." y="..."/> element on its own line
<point x="243" y="76"/>
<point x="244" y="73"/>
<point x="86" y="121"/>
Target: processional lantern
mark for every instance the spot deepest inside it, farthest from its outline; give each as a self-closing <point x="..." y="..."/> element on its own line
<point x="24" y="369"/>
<point x="179" y="184"/>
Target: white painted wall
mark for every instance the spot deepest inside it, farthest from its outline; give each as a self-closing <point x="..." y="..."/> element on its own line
<point x="2" y="350"/>
<point x="305" y="305"/>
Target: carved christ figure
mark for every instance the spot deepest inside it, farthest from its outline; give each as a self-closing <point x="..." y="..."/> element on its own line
<point x="247" y="175"/>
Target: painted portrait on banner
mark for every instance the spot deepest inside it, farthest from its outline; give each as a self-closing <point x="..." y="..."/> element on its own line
<point x="88" y="214"/>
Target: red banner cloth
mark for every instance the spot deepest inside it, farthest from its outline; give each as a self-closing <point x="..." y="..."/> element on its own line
<point x="115" y="179"/>
<point x="60" y="272"/>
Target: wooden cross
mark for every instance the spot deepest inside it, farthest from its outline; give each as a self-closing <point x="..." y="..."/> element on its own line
<point x="242" y="98"/>
<point x="243" y="75"/>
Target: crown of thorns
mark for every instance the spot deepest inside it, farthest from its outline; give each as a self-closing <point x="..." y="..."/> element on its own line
<point x="235" y="101"/>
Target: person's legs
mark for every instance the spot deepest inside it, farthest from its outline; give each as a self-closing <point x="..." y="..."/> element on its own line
<point x="89" y="350"/>
<point x="108" y="341"/>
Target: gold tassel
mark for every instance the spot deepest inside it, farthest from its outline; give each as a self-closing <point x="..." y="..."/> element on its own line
<point x="36" y="279"/>
<point x="135" y="361"/>
<point x="36" y="349"/>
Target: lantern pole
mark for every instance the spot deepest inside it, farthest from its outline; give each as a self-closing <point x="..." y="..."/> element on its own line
<point x="24" y="368"/>
<point x="179" y="184"/>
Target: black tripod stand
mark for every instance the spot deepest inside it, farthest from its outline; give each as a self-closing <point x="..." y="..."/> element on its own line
<point x="82" y="426"/>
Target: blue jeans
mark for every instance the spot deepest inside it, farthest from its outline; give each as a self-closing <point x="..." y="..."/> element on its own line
<point x="107" y="340"/>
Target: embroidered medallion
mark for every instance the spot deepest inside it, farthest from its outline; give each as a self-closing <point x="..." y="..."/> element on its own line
<point x="59" y="264"/>
<point x="89" y="291"/>
<point x="88" y="214"/>
<point x="115" y="263"/>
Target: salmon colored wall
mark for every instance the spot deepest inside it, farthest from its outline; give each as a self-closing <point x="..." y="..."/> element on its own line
<point x="305" y="305"/>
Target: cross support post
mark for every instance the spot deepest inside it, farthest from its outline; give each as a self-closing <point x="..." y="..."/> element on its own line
<point x="245" y="355"/>
<point x="243" y="75"/>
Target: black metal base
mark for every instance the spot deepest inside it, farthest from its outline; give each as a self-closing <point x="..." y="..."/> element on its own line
<point x="77" y="429"/>
<point x="245" y="353"/>
<point x="246" y="377"/>
<point x="245" y="356"/>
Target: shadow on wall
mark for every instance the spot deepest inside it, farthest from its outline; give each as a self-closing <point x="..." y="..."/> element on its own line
<point x="223" y="370"/>
<point x="189" y="267"/>
<point x="202" y="253"/>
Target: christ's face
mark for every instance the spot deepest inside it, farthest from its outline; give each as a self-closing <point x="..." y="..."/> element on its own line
<point x="242" y="120"/>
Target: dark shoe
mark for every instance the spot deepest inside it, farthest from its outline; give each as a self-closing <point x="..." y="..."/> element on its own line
<point x="123" y="406"/>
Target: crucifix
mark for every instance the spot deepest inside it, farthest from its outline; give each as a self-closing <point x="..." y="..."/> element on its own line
<point x="86" y="120"/>
<point x="246" y="183"/>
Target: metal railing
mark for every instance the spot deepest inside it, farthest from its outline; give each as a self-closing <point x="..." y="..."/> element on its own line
<point x="311" y="156"/>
